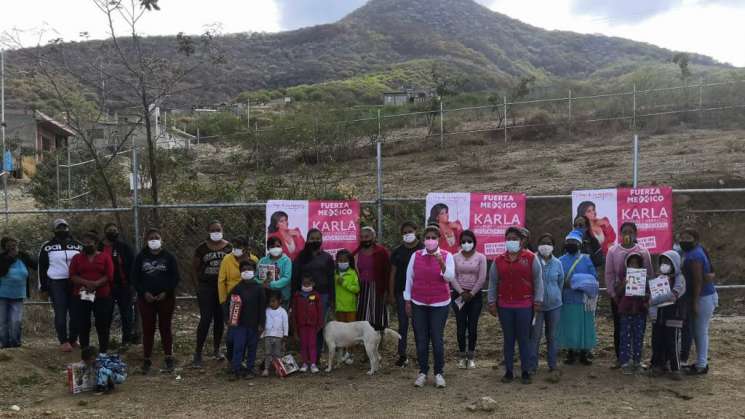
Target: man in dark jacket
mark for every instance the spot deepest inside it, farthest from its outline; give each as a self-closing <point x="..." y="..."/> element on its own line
<point x="54" y="278"/>
<point x="123" y="296"/>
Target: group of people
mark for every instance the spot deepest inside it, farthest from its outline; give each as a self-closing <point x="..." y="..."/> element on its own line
<point x="535" y="294"/>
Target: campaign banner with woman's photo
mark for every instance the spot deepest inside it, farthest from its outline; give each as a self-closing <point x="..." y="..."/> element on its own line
<point x="651" y="209"/>
<point x="488" y="215"/>
<point x="290" y="221"/>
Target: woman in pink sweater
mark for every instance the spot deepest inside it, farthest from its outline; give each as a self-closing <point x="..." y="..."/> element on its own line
<point x="470" y="275"/>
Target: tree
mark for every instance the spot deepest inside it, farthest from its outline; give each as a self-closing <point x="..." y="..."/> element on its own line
<point x="681" y="59"/>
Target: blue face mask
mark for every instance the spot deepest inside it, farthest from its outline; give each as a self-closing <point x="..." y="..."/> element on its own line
<point x="512" y="246"/>
<point x="343" y="266"/>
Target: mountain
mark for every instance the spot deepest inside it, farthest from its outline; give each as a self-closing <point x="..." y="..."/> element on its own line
<point x="487" y="48"/>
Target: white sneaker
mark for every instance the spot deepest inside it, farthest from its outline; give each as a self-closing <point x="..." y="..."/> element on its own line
<point x="471" y="364"/>
<point x="420" y="380"/>
<point x="265" y="373"/>
<point x="462" y="363"/>
<point x="439" y="381"/>
<point x="314" y="369"/>
<point x="304" y="368"/>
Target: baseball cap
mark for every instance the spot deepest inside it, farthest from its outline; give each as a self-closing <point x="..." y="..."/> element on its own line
<point x="58" y="222"/>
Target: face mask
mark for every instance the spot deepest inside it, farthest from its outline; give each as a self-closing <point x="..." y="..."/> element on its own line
<point x="687" y="246"/>
<point x="112" y="236"/>
<point x="467" y="247"/>
<point x="61" y="234"/>
<point x="154" y="244"/>
<point x="307" y="289"/>
<point x="89" y="249"/>
<point x="366" y="244"/>
<point x="431" y="245"/>
<point x="314" y="245"/>
<point x="247" y="275"/>
<point x="343" y="266"/>
<point x="512" y="246"/>
<point x="216" y="237"/>
<point x="237" y="252"/>
<point x="666" y="268"/>
<point x="409" y="238"/>
<point x="545" y="250"/>
<point x="275" y="252"/>
<point x="571" y="248"/>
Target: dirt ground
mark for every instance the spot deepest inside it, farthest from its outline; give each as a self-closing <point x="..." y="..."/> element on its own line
<point x="33" y="378"/>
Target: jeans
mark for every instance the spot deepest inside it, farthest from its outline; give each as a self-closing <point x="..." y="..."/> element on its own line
<point x="403" y="324"/>
<point x="429" y="326"/>
<point x="516" y="326"/>
<point x="122" y="299"/>
<point x="632" y="338"/>
<point x="616" y="328"/>
<point x="551" y="320"/>
<point x="210" y="313"/>
<point x="162" y="313"/>
<point x="697" y="330"/>
<point x="244" y="340"/>
<point x="272" y="350"/>
<point x="319" y="336"/>
<point x="60" y="292"/>
<point x="101" y="309"/>
<point x="467" y="320"/>
<point x="11" y="322"/>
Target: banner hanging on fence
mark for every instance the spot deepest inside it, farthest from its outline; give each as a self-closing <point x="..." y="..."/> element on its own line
<point x="488" y="215"/>
<point x="651" y="209"/>
<point x="290" y="221"/>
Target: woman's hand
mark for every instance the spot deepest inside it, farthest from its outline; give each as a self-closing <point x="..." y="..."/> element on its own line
<point x="493" y="309"/>
<point x="408" y="308"/>
<point x="149" y="297"/>
<point x="466" y="296"/>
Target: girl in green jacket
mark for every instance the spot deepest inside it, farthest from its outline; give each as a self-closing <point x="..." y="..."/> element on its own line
<point x="347" y="286"/>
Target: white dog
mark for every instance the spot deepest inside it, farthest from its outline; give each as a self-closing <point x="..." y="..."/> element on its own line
<point x="342" y="335"/>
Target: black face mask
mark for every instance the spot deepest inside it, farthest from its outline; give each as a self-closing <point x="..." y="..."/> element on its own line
<point x="366" y="244"/>
<point x="314" y="245"/>
<point x="89" y="249"/>
<point x="61" y="234"/>
<point x="571" y="248"/>
<point x="112" y="236"/>
<point x="687" y="246"/>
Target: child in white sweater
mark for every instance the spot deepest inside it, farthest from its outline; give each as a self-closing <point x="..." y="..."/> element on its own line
<point x="275" y="331"/>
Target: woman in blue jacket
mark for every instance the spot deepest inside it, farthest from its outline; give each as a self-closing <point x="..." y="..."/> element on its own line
<point x="550" y="312"/>
<point x="14" y="275"/>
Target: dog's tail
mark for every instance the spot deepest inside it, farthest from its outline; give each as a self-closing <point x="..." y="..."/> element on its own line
<point x="391" y="332"/>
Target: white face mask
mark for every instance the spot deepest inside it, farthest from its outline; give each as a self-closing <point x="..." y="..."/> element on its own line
<point x="237" y="252"/>
<point x="307" y="289"/>
<point x="247" y="275"/>
<point x="275" y="251"/>
<point x="666" y="268"/>
<point x="154" y="244"/>
<point x="409" y="238"/>
<point x="216" y="237"/>
<point x="343" y="266"/>
<point x="545" y="250"/>
<point x="512" y="246"/>
<point x="467" y="247"/>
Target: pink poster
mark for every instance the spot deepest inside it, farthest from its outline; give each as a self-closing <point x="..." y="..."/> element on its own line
<point x="652" y="211"/>
<point x="488" y="215"/>
<point x="491" y="215"/>
<point x="290" y="221"/>
<point x="338" y="221"/>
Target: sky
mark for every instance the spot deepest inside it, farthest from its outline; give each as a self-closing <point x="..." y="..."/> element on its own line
<point x="710" y="27"/>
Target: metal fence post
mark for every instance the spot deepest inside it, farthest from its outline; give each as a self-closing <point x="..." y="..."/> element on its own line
<point x="69" y="174"/>
<point x="633" y="115"/>
<point x="700" y="103"/>
<point x="570" y="111"/>
<point x="135" y="197"/>
<point x="2" y="130"/>
<point x="379" y="176"/>
<point x="59" y="197"/>
<point x="636" y="160"/>
<point x="442" y="123"/>
<point x="504" y="99"/>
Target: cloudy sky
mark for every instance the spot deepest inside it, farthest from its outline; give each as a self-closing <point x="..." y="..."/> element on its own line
<point x="711" y="27"/>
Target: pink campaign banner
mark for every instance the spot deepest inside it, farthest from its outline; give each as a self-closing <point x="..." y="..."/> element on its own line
<point x="651" y="209"/>
<point x="491" y="215"/>
<point x="338" y="221"/>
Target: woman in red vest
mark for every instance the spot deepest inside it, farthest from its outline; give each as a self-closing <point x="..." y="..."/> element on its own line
<point x="515" y="288"/>
<point x="429" y="276"/>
